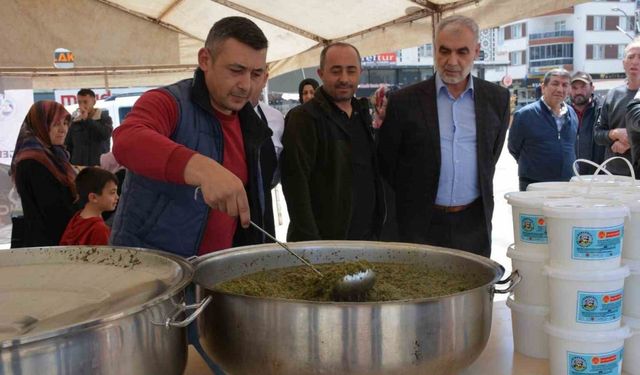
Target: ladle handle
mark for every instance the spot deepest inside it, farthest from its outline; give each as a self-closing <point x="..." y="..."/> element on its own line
<point x="285" y="247"/>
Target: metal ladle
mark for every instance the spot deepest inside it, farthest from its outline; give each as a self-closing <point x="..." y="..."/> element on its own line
<point x="351" y="287"/>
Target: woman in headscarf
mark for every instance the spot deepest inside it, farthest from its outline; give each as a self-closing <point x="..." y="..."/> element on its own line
<point x="43" y="175"/>
<point x="307" y="89"/>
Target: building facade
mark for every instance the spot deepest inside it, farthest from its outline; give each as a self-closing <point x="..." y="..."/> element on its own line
<point x="589" y="37"/>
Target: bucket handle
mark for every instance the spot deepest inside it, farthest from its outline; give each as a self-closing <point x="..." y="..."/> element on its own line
<point x="514" y="279"/>
<point x="604" y="163"/>
<point x="586" y="161"/>
<point x="199" y="307"/>
<point x="601" y="168"/>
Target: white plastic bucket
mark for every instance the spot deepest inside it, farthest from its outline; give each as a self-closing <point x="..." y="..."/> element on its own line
<point x="528" y="321"/>
<point x="631" y="243"/>
<point x="574" y="352"/>
<point x="590" y="301"/>
<point x="631" y="363"/>
<point x="529" y="226"/>
<point x="631" y="305"/>
<point x="533" y="287"/>
<point x="585" y="233"/>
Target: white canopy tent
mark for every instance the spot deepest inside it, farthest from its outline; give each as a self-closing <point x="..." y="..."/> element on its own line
<point x="137" y="42"/>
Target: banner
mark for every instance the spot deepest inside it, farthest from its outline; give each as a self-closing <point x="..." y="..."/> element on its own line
<point x="14" y="105"/>
<point x="9" y="203"/>
<point x="381" y="58"/>
<point x="68" y="97"/>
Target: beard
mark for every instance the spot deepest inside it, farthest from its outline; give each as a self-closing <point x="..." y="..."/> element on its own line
<point x="579" y="100"/>
<point x="460" y="74"/>
<point x="338" y="97"/>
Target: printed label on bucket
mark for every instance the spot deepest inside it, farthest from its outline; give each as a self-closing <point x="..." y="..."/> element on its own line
<point x="597" y="243"/>
<point x="599" y="307"/>
<point x="594" y="364"/>
<point x="533" y="229"/>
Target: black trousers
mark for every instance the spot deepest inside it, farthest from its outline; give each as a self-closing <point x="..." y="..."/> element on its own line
<point x="465" y="230"/>
<point x="524" y="182"/>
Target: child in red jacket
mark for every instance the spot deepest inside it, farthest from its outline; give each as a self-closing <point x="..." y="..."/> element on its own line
<point x="98" y="192"/>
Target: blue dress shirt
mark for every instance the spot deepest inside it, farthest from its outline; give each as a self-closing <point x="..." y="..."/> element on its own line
<point x="458" y="184"/>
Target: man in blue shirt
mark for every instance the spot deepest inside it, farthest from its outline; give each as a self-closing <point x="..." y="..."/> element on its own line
<point x="439" y="145"/>
<point x="543" y="134"/>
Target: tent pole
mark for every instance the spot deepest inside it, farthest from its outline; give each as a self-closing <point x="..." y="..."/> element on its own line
<point x="435" y="20"/>
<point x="106" y="80"/>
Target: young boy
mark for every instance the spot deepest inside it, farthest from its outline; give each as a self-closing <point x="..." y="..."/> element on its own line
<point x="97" y="192"/>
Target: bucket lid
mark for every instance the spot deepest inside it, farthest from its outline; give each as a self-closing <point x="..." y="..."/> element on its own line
<point x="535" y="199"/>
<point x="556" y="185"/>
<point x="603" y="179"/>
<point x="527" y="309"/>
<point x="581" y="207"/>
<point x="635" y="188"/>
<point x="527" y="256"/>
<point x="591" y="275"/>
<point x="634" y="265"/>
<point x="621" y="333"/>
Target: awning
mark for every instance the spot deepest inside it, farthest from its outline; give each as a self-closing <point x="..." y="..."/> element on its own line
<point x="134" y="42"/>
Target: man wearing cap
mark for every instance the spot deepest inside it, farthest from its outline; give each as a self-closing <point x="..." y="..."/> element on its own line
<point x="543" y="134"/>
<point x="587" y="109"/>
<point x="611" y="130"/>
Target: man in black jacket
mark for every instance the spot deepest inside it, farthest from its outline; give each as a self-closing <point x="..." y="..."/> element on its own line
<point x="611" y="130"/>
<point x="439" y="145"/>
<point x="587" y="109"/>
<point x="632" y="123"/>
<point x="89" y="132"/>
<point x="329" y="174"/>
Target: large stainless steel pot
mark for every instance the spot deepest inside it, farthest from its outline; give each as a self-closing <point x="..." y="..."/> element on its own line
<point x="250" y="335"/>
<point x="110" y="315"/>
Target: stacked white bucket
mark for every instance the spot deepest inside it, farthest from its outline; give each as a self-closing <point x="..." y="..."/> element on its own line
<point x="529" y="255"/>
<point x="568" y="250"/>
<point x="631" y="258"/>
<point x="586" y="285"/>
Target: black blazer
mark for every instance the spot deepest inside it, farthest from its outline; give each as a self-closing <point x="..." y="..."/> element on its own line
<point x="409" y="150"/>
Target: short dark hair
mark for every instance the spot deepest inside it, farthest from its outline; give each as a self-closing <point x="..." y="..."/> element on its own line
<point x="240" y="28"/>
<point x="323" y="54"/>
<point x="87" y="92"/>
<point x="92" y="180"/>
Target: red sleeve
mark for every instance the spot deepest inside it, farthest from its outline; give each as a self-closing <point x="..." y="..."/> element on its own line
<point x="142" y="142"/>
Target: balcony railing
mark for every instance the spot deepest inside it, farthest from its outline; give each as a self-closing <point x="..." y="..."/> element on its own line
<point x="551" y="34"/>
<point x="551" y="62"/>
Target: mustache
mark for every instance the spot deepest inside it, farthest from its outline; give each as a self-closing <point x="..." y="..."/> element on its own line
<point x="240" y="93"/>
<point x="343" y="85"/>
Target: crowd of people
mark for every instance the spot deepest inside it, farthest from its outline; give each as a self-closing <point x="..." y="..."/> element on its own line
<point x="547" y="136"/>
<point x="202" y="155"/>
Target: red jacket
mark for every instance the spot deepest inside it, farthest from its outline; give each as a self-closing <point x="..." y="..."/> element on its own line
<point x="90" y="231"/>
